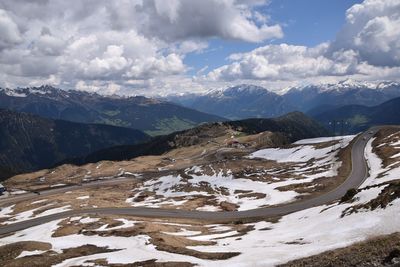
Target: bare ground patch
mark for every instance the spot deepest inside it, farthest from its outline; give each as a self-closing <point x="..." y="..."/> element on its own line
<point x="8" y="254"/>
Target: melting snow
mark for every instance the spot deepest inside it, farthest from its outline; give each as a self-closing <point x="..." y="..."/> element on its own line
<point x="326" y="164"/>
<point x="88" y="220"/>
<point x="323" y="139"/>
<point x="38" y="201"/>
<point x="164" y="186"/>
<point x="83" y="197"/>
<point x="57" y="185"/>
<point x="300" y="153"/>
<point x="30" y="253"/>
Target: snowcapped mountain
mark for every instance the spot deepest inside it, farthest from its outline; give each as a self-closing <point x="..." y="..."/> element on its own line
<point x="146" y="114"/>
<point x="44" y="91"/>
<point x="50" y="92"/>
<point x="244" y="89"/>
<point x="315" y="99"/>
<point x="244" y="101"/>
<point x="347" y="85"/>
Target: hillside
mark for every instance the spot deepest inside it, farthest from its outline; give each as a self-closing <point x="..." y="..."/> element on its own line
<point x="249" y="101"/>
<point x="149" y="115"/>
<point x="359" y="117"/>
<point x="29" y="142"/>
<point x="195" y="190"/>
<point x="293" y="126"/>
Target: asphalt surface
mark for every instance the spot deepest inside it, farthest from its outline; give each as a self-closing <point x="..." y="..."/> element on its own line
<point x="354" y="180"/>
<point x="62" y="189"/>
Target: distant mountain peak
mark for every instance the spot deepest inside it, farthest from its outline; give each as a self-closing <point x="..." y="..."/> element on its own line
<point x="387" y="84"/>
<point x="241" y="89"/>
<point x="24" y="92"/>
<point x="347" y="84"/>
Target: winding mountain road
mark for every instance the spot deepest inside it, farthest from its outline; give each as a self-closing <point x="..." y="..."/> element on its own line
<point x="357" y="176"/>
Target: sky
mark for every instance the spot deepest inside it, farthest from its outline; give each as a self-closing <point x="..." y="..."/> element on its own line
<point x="161" y="47"/>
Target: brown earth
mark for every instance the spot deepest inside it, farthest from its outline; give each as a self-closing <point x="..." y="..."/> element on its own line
<point x="385" y="152"/>
<point x="8" y="254"/>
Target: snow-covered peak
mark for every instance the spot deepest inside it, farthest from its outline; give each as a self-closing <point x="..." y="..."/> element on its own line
<point x="238" y="90"/>
<point x="43" y="90"/>
<point x="24" y="92"/>
<point x="345" y="85"/>
<point x="387" y="84"/>
<point x="13" y="92"/>
<point x="348" y="84"/>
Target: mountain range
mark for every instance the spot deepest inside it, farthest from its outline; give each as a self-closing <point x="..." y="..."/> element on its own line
<point x="358" y="118"/>
<point x="79" y="127"/>
<point x="249" y="101"/>
<point x="146" y="114"/>
<point x="29" y="142"/>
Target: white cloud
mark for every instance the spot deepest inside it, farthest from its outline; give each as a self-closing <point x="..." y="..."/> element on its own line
<point x="153" y="67"/>
<point x="190" y="46"/>
<point x="9" y="32"/>
<point x="48" y="45"/>
<point x="367" y="47"/>
<point x="179" y="20"/>
<point x="285" y="62"/>
<point x="373" y="29"/>
<point x="111" y="62"/>
<point x="130" y="46"/>
<point x="90" y="44"/>
<point x="108" y="88"/>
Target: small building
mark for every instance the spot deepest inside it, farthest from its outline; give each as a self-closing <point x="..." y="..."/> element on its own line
<point x="235" y="144"/>
<point x="232" y="142"/>
<point x="2" y="189"/>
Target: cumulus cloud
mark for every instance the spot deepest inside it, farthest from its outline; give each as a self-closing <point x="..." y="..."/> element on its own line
<point x="124" y="46"/>
<point x="368" y="45"/>
<point x="286" y="62"/>
<point x="153" y="67"/>
<point x="91" y="44"/>
<point x="373" y="29"/>
<point x="178" y="20"/>
<point x="9" y="32"/>
<point x="47" y="44"/>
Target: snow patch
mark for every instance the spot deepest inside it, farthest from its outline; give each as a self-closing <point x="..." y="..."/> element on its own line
<point x="83" y="197"/>
<point x="30" y="253"/>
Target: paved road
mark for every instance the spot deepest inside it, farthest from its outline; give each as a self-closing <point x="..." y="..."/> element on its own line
<point x="356" y="178"/>
<point x="58" y="190"/>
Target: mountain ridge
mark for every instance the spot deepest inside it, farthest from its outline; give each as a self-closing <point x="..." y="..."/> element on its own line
<point x="29" y="142"/>
<point x="137" y="112"/>
<point x="294" y="126"/>
<point x="244" y="101"/>
<point x="359" y="117"/>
